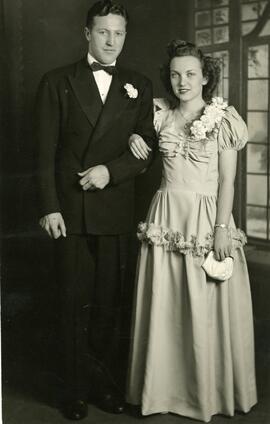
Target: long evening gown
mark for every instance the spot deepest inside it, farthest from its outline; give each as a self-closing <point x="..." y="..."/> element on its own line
<point x="192" y="349"/>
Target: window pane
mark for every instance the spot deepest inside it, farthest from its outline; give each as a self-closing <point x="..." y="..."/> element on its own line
<point x="222" y="89"/>
<point x="224" y="60"/>
<point x="221" y="34"/>
<point x="266" y="29"/>
<point x="221" y="16"/>
<point x="262" y="6"/>
<point x="257" y="158"/>
<point x="203" y="19"/>
<point x="202" y="3"/>
<point x="256" y="222"/>
<point x="257" y="190"/>
<point x="203" y="37"/>
<point x="220" y="2"/>
<point x="257" y="126"/>
<point x="247" y="27"/>
<point x="258" y="94"/>
<point x="258" y="61"/>
<point x="250" y="12"/>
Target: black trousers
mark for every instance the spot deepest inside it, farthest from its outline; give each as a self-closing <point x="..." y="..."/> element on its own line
<point x="95" y="299"/>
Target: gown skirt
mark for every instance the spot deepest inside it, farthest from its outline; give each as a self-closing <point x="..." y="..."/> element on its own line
<point x="192" y="349"/>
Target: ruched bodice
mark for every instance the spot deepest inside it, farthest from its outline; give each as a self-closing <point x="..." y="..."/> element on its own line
<point x="190" y="164"/>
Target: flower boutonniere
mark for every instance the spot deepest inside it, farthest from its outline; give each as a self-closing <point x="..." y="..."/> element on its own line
<point x="132" y="92"/>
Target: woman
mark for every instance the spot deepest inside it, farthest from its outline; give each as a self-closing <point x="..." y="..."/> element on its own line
<point x="192" y="351"/>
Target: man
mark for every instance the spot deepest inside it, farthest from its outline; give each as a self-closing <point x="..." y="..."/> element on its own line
<point x="85" y="115"/>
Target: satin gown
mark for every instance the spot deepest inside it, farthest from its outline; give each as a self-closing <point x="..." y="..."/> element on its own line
<point x="192" y="350"/>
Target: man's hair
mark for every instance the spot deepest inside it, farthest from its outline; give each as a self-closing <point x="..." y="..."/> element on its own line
<point x="103" y="8"/>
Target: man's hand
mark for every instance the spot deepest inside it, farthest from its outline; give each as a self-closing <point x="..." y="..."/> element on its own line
<point x="54" y="225"/>
<point x="94" y="178"/>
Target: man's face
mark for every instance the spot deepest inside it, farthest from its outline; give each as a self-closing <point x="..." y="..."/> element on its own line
<point x="106" y="37"/>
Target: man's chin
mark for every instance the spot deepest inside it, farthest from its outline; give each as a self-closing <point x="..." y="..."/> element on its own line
<point x="108" y="58"/>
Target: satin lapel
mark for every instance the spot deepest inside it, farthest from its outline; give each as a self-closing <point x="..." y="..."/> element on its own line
<point x="86" y="91"/>
<point x="117" y="100"/>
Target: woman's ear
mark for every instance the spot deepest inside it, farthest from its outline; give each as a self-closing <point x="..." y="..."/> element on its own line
<point x="205" y="80"/>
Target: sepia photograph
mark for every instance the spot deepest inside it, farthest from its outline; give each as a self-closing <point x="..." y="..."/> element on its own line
<point x="135" y="212"/>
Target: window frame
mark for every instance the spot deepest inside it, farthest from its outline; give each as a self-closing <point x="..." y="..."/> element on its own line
<point x="237" y="46"/>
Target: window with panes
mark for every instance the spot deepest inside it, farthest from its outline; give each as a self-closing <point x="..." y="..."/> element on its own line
<point x="217" y="26"/>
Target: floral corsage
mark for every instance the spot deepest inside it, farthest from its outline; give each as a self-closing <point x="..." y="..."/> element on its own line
<point x="210" y="119"/>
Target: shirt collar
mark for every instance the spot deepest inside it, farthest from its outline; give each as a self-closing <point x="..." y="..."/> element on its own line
<point x="91" y="59"/>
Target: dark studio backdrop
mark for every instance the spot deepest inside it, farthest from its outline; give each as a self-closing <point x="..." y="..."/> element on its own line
<point x="36" y="36"/>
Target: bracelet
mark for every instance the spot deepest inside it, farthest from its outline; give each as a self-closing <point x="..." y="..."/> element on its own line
<point x="224" y="226"/>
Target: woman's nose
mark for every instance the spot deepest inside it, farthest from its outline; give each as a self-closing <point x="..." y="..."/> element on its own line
<point x="181" y="80"/>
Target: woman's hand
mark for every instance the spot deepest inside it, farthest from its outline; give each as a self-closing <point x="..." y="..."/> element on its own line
<point x="222" y="243"/>
<point x="138" y="147"/>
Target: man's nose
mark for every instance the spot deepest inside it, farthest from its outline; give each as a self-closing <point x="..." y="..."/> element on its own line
<point x="110" y="40"/>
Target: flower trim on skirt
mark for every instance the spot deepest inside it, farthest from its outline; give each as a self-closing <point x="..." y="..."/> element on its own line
<point x="175" y="241"/>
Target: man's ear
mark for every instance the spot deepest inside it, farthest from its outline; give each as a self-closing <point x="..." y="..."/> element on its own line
<point x="87" y="33"/>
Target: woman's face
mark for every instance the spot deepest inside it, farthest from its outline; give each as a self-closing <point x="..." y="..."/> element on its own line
<point x="186" y="77"/>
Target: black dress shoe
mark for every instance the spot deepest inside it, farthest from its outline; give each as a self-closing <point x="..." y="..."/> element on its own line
<point x="76" y="410"/>
<point x="105" y="393"/>
<point x="109" y="402"/>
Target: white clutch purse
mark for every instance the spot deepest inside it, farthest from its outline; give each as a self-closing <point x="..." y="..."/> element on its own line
<point x="218" y="270"/>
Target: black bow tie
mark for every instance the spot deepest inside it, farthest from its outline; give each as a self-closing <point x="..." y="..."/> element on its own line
<point x="95" y="66"/>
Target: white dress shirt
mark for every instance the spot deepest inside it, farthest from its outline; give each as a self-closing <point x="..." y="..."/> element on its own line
<point x="102" y="78"/>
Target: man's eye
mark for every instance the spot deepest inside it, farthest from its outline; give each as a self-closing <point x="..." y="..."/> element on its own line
<point x="190" y="74"/>
<point x="102" y="32"/>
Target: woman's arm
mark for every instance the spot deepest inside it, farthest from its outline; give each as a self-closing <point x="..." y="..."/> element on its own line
<point x="138" y="147"/>
<point x="227" y="172"/>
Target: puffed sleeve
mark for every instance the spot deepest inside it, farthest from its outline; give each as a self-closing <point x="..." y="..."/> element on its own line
<point x="233" y="132"/>
<point x="161" y="107"/>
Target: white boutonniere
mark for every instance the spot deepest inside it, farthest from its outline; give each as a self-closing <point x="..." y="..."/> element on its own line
<point x="209" y="120"/>
<point x="132" y="92"/>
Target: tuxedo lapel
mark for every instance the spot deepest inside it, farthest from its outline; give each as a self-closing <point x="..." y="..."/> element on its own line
<point x="86" y="91"/>
<point x="117" y="100"/>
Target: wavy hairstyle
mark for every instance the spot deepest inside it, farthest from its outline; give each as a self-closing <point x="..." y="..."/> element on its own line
<point x="210" y="67"/>
<point x="103" y="8"/>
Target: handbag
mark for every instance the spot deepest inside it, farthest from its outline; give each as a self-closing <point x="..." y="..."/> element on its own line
<point x="218" y="270"/>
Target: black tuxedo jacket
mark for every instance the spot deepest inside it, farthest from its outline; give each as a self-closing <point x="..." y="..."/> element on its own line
<point x="76" y="131"/>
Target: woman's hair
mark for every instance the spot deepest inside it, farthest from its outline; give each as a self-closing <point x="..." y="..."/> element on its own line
<point x="103" y="8"/>
<point x="210" y="66"/>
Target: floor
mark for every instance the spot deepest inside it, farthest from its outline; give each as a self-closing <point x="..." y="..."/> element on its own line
<point x="31" y="388"/>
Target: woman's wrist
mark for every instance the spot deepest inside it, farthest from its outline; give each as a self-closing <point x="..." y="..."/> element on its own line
<point x="221" y="226"/>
